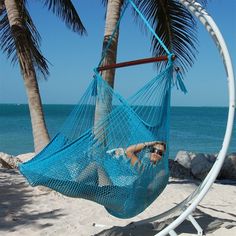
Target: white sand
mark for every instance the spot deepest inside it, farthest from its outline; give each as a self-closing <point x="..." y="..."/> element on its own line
<point x="30" y="211"/>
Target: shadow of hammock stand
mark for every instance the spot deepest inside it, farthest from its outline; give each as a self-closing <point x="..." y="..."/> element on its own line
<point x="135" y="62"/>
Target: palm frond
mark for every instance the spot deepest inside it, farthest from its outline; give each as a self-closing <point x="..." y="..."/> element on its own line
<point x="6" y="39"/>
<point x="67" y="12"/>
<point x="203" y="2"/>
<point x="175" y="26"/>
<point x="23" y="38"/>
<point x="104" y="2"/>
<point x="30" y="25"/>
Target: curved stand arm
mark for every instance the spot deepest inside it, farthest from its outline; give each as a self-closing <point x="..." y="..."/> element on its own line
<point x="212" y="28"/>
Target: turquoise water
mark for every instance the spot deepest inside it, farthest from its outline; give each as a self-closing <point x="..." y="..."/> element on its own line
<point x="197" y="129"/>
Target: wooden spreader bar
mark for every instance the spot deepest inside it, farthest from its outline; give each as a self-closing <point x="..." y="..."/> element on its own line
<point x="135" y="62"/>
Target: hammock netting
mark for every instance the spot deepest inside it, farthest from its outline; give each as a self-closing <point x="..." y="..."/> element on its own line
<point x="81" y="162"/>
<point x="87" y="159"/>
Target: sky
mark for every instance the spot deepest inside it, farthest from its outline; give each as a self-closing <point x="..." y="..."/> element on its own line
<point x="72" y="58"/>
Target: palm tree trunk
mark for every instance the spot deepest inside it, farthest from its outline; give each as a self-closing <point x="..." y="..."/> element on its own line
<point x="40" y="133"/>
<point x="112" y="17"/>
<point x="103" y="106"/>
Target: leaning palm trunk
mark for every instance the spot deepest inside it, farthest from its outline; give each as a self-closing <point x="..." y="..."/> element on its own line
<point x="40" y="133"/>
<point x="103" y="106"/>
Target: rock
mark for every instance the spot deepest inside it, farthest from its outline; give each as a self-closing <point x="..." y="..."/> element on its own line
<point x="8" y="161"/>
<point x="228" y="170"/>
<point x="183" y="158"/>
<point x="178" y="171"/>
<point x="201" y="165"/>
<point x="12" y="162"/>
<point x="26" y="156"/>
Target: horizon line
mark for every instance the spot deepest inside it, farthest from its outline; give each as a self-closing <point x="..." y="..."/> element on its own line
<point x="74" y="104"/>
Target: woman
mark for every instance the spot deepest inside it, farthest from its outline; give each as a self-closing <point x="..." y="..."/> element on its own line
<point x="95" y="172"/>
<point x="117" y="192"/>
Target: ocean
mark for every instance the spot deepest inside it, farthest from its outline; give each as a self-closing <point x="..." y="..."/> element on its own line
<point x="196" y="129"/>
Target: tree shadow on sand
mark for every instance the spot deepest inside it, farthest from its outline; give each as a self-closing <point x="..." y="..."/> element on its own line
<point x="208" y="223"/>
<point x="15" y="197"/>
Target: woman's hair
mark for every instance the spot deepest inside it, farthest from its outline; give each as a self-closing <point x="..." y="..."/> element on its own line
<point x="161" y="143"/>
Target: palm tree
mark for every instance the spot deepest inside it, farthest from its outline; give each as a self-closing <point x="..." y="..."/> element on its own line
<point x="172" y="22"/>
<point x="20" y="40"/>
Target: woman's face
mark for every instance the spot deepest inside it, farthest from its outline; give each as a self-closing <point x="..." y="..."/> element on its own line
<point x="156" y="156"/>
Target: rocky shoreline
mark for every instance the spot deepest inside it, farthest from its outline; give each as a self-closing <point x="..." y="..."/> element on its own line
<point x="189" y="165"/>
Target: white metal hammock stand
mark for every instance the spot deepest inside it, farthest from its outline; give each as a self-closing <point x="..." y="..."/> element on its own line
<point x="187" y="206"/>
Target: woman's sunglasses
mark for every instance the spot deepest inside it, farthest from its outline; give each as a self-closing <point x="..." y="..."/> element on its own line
<point x="157" y="151"/>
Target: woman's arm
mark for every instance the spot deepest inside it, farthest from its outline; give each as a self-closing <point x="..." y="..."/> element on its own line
<point x="133" y="149"/>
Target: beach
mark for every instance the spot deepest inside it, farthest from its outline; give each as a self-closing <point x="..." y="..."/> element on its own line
<point x="25" y="210"/>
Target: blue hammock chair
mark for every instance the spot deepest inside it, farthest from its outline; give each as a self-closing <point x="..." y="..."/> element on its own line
<point x="81" y="162"/>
